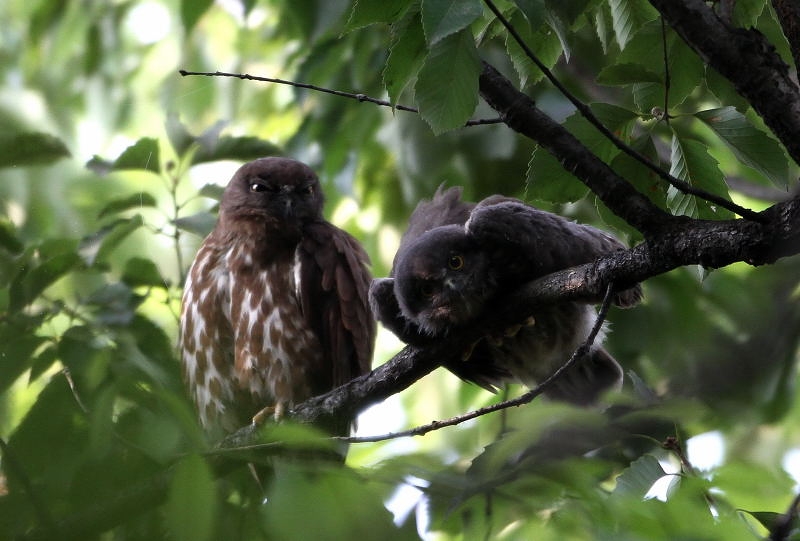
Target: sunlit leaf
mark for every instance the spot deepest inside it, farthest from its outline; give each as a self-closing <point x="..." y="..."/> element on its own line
<point x="442" y="18"/>
<point x="639" y="477"/>
<point x="192" y="10"/>
<point x="142" y="272"/>
<point x="30" y="283"/>
<point x="229" y="147"/>
<point x="691" y="162"/>
<point x="447" y="87"/>
<point x="142" y="155"/>
<point x="192" y="503"/>
<point x="30" y="148"/>
<point x="137" y="200"/>
<point x="201" y="223"/>
<point x="750" y="145"/>
<point x="17" y="345"/>
<point x="96" y="247"/>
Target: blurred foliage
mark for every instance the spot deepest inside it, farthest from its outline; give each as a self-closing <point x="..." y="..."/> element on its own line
<point x="110" y="167"/>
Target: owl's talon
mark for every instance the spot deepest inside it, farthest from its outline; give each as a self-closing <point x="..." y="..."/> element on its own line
<point x="276" y="412"/>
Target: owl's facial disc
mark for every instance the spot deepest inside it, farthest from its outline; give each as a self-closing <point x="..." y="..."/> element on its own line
<point x="274" y="188"/>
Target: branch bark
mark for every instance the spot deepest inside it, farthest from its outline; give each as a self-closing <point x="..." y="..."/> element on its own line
<point x="745" y="58"/>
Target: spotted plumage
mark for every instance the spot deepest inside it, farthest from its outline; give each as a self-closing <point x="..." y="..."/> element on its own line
<point x="275" y="305"/>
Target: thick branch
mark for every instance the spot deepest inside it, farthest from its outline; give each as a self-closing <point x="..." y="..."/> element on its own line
<point x="788" y="12"/>
<point x="687" y="242"/>
<point x="521" y="114"/>
<point x="747" y="59"/>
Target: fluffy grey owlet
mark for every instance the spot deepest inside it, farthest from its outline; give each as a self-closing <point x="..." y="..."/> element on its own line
<point x="456" y="259"/>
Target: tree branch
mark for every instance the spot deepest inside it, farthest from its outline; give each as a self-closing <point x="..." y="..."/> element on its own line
<point x="745" y="58"/>
<point x="586" y="112"/>
<point x="340" y="93"/>
<point x="788" y="12"/>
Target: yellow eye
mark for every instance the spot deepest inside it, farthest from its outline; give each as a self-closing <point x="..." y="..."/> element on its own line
<point x="258" y="187"/>
<point x="455" y="262"/>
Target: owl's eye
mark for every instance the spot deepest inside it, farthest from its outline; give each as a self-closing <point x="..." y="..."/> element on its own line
<point x="258" y="187"/>
<point x="455" y="262"/>
<point x="308" y="190"/>
<point x="427" y="289"/>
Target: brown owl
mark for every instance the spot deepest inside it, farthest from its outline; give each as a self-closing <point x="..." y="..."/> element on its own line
<point x="275" y="307"/>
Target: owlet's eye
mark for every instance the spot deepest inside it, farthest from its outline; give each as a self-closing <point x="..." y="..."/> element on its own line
<point x="455" y="262"/>
<point x="308" y="190"/>
<point x="258" y="187"/>
<point x="427" y="289"/>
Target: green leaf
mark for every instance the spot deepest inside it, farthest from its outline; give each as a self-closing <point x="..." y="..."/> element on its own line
<point x="406" y="55"/>
<point x="142" y="155"/>
<point x="544" y="42"/>
<point x="625" y="74"/>
<point x="212" y="191"/>
<point x="192" y="504"/>
<point x="691" y="162"/>
<point x="96" y="247"/>
<point x="229" y="147"/>
<point x="638" y="478"/>
<point x="142" y="272"/>
<point x="28" y="284"/>
<point x="749" y="144"/>
<point x="534" y="11"/>
<point x="17" y="346"/>
<point x="30" y="148"/>
<point x="628" y="16"/>
<point x="136" y="200"/>
<point x="447" y="87"/>
<point x="442" y="18"/>
<point x="8" y="238"/>
<point x="547" y="180"/>
<point x="367" y="12"/>
<point x="192" y="10"/>
<point x="560" y="30"/>
<point x="201" y="223"/>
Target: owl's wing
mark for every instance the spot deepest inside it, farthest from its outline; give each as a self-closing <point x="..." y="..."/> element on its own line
<point x="531" y="243"/>
<point x="445" y="208"/>
<point x="333" y="288"/>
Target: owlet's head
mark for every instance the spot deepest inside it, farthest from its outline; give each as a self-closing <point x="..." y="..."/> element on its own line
<point x="441" y="280"/>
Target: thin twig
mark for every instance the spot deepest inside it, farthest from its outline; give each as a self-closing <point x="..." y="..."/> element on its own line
<point x="587" y="113"/>
<point x="340" y="93"/>
<point x="576" y="356"/>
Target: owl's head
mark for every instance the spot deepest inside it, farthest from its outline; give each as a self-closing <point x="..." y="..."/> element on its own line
<point x="275" y="190"/>
<point x="442" y="280"/>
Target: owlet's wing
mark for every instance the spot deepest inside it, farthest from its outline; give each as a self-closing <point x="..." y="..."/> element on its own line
<point x="529" y="243"/>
